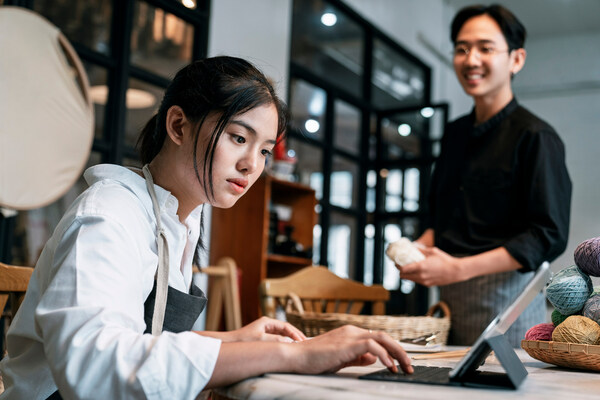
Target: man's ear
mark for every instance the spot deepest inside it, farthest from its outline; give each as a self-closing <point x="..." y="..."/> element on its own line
<point x="176" y="120"/>
<point x="518" y="60"/>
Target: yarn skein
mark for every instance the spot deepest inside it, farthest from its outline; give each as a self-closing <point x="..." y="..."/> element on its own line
<point x="577" y="329"/>
<point x="591" y="308"/>
<point x="587" y="256"/>
<point x="568" y="290"/>
<point x="540" y="332"/>
<point x="557" y="317"/>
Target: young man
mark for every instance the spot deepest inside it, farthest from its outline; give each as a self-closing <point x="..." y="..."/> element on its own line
<point x="501" y="193"/>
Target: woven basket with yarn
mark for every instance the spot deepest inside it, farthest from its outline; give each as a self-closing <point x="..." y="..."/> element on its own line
<point x="569" y="355"/>
<point x="398" y="327"/>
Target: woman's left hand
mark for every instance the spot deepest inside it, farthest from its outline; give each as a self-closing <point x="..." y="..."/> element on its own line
<point x="269" y="330"/>
<point x="263" y="329"/>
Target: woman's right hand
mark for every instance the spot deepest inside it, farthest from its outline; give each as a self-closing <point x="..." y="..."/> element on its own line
<point x="349" y="346"/>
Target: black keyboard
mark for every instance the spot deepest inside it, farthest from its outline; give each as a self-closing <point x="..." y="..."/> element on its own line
<point x="422" y="374"/>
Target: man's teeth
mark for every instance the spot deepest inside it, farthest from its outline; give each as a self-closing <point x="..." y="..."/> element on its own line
<point x="474" y="76"/>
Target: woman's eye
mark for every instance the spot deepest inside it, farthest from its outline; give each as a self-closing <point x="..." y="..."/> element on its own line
<point x="238" y="138"/>
<point x="266" y="153"/>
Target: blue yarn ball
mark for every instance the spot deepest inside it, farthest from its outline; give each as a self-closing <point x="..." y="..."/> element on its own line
<point x="591" y="308"/>
<point x="568" y="290"/>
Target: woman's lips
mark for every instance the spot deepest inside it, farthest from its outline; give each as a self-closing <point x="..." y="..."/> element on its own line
<point x="238" y="185"/>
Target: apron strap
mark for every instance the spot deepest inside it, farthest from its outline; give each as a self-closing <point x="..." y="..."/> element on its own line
<point x="163" y="261"/>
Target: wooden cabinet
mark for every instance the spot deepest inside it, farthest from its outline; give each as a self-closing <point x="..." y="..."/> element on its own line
<point x="242" y="232"/>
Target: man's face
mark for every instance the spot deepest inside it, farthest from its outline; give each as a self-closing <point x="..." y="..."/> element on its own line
<point x="482" y="61"/>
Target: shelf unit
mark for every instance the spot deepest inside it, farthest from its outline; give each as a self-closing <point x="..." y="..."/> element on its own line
<point x="242" y="232"/>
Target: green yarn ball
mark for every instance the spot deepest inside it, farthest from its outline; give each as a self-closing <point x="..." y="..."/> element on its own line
<point x="568" y="290"/>
<point x="557" y="317"/>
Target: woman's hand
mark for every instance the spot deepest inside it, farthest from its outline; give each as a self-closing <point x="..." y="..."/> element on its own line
<point x="349" y="346"/>
<point x="263" y="329"/>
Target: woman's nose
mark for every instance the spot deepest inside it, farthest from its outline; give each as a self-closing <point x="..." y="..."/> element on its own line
<point x="249" y="162"/>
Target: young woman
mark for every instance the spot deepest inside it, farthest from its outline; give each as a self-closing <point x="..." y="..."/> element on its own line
<point x="111" y="303"/>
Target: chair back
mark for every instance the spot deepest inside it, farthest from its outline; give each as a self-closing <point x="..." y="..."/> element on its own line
<point x="13" y="283"/>
<point x="320" y="290"/>
<point x="223" y="295"/>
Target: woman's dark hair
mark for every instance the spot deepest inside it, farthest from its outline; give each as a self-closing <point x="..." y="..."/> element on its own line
<point x="227" y="86"/>
<point x="513" y="30"/>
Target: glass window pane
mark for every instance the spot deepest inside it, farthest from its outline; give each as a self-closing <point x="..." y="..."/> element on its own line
<point x="342" y="233"/>
<point x="83" y="22"/>
<point x="369" y="253"/>
<point x="400" y="139"/>
<point x="328" y="43"/>
<point x="393" y="190"/>
<point x="347" y="127"/>
<point x="99" y="94"/>
<point x="412" y="178"/>
<point x="309" y="166"/>
<point x="344" y="182"/>
<point x="397" y="81"/>
<point x="143" y="100"/>
<point x="371" y="182"/>
<point x="307" y="106"/>
<point x="160" y="42"/>
<point x="391" y="277"/>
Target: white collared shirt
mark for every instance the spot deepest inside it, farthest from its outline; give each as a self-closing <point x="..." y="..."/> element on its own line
<point x="80" y="327"/>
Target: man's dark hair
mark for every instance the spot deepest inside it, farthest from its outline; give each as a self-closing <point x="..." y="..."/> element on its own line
<point x="513" y="30"/>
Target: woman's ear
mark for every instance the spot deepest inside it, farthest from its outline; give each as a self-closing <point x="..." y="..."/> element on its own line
<point x="176" y="120"/>
<point x="518" y="60"/>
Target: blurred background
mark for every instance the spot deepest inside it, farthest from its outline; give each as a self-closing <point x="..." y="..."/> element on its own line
<point x="370" y="86"/>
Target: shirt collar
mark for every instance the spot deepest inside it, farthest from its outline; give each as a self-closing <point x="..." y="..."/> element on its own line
<point x="493" y="122"/>
<point x="134" y="182"/>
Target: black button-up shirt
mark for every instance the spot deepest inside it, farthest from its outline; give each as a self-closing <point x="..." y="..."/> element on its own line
<point x="502" y="183"/>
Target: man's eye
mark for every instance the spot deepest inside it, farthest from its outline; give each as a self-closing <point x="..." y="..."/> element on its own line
<point x="461" y="50"/>
<point x="487" y="50"/>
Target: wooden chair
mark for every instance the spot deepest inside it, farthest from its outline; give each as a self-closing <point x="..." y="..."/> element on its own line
<point x="320" y="290"/>
<point x="223" y="293"/>
<point x="13" y="283"/>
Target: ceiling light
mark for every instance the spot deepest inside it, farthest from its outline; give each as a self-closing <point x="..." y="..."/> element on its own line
<point x="404" y="129"/>
<point x="312" y="125"/>
<point x="427" y="112"/>
<point x="189" y="3"/>
<point x="328" y="19"/>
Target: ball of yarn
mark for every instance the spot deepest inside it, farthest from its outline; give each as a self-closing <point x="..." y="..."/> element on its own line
<point x="577" y="329"/>
<point x="540" y="332"/>
<point x="587" y="256"/>
<point x="557" y="317"/>
<point x="591" y="308"/>
<point x="568" y="290"/>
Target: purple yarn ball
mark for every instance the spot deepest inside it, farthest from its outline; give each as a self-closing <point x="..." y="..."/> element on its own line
<point x="587" y="256"/>
<point x="540" y="332"/>
<point x="591" y="309"/>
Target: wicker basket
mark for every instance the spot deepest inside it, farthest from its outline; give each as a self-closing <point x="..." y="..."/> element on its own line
<point x="398" y="327"/>
<point x="570" y="355"/>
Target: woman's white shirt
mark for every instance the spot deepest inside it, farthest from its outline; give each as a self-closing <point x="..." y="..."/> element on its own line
<point x="80" y="327"/>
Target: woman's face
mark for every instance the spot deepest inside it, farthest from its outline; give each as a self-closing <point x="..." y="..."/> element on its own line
<point x="241" y="153"/>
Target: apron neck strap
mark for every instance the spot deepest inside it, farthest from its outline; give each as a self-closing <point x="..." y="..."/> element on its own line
<point x="162" y="274"/>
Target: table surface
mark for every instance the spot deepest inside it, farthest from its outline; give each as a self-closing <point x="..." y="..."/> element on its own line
<point x="544" y="381"/>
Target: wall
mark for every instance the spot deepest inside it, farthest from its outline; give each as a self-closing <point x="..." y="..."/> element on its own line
<point x="257" y="30"/>
<point x="561" y="83"/>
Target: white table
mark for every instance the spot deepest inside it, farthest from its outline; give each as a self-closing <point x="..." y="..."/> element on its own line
<point x="544" y="381"/>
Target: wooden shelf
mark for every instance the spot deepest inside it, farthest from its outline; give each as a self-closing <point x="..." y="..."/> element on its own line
<point x="242" y="233"/>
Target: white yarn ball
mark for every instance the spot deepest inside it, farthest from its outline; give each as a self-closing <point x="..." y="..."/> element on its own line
<point x="403" y="252"/>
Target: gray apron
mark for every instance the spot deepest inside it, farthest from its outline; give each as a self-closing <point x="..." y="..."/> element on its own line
<point x="474" y="303"/>
<point x="166" y="308"/>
